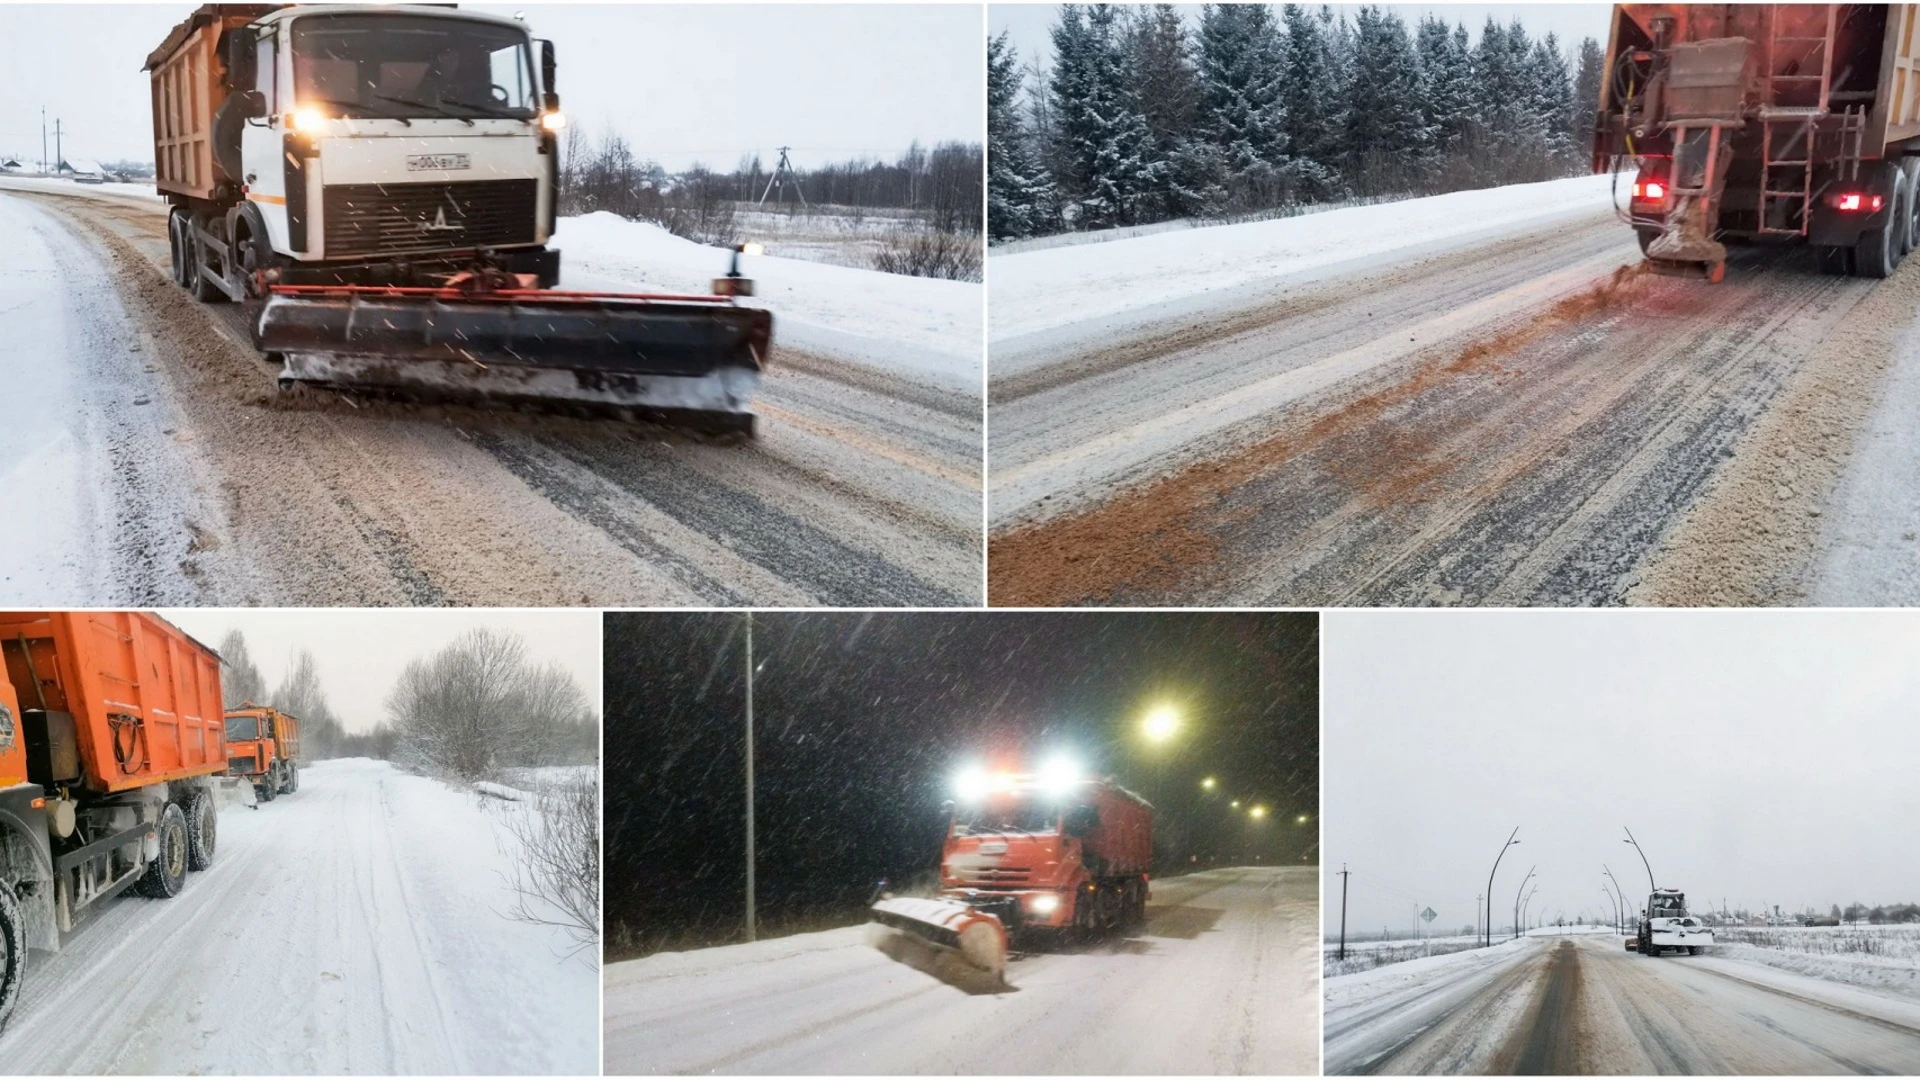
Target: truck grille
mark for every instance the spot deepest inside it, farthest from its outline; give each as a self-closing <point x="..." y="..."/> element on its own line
<point x="994" y="875"/>
<point x="239" y="765"/>
<point x="391" y="219"/>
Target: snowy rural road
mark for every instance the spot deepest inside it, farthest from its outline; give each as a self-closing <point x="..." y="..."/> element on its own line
<point x="1584" y="1005"/>
<point x="157" y="466"/>
<point x="1223" y="980"/>
<point x="1511" y="420"/>
<point x="354" y="926"/>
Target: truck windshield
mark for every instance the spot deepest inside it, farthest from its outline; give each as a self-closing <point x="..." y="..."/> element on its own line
<point x="242" y="728"/>
<point x="1006" y="815"/>
<point x="412" y="66"/>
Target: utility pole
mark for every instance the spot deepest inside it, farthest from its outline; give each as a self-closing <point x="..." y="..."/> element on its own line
<point x="59" y="155"/>
<point x="43" y="140"/>
<point x="783" y="167"/>
<point x="751" y="921"/>
<point x="1343" y="911"/>
<point x="1476" y="914"/>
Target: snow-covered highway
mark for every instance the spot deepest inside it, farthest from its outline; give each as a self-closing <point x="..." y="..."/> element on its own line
<point x="1582" y="1004"/>
<point x="358" y="925"/>
<point x="1222" y="980"/>
<point x="155" y="464"/>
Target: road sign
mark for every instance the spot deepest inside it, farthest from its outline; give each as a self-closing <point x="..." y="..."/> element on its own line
<point x="1429" y="915"/>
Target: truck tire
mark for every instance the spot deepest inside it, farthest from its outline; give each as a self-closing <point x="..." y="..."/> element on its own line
<point x="203" y="290"/>
<point x="13" y="952"/>
<point x="293" y="778"/>
<point x="1906" y="225"/>
<point x="266" y="789"/>
<point x="1835" y="260"/>
<point x="1877" y="253"/>
<point x="1645" y="236"/>
<point x="177" y="247"/>
<point x="167" y="874"/>
<point x="203" y="821"/>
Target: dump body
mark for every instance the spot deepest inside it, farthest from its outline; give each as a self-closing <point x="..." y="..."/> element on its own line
<point x="1765" y="124"/>
<point x="1042" y="855"/>
<point x="189" y="84"/>
<point x="143" y="696"/>
<point x="110" y="732"/>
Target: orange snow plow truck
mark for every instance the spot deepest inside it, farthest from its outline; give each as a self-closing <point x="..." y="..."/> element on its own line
<point x="1032" y="855"/>
<point x="263" y="748"/>
<point x="111" y="735"/>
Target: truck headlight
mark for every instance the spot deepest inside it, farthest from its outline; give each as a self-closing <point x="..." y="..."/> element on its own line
<point x="307" y="118"/>
<point x="553" y="121"/>
<point x="1045" y="905"/>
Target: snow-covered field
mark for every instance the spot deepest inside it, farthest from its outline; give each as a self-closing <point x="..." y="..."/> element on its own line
<point x="921" y="329"/>
<point x="48" y="183"/>
<point x="1053" y="300"/>
<point x="836" y="236"/>
<point x="1885" y="958"/>
<point x="355" y="926"/>
<point x="1221" y="981"/>
<point x="1366" y="955"/>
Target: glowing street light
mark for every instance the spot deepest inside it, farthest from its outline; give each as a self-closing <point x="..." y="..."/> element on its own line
<point x="1208" y="784"/>
<point x="1301" y="820"/>
<point x="1235" y="804"/>
<point x="1161" y="724"/>
<point x="1257" y="812"/>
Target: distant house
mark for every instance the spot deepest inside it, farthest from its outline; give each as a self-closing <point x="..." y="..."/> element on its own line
<point x="83" y="171"/>
<point x="9" y="165"/>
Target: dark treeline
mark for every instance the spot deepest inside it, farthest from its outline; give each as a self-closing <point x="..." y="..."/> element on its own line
<point x="1146" y="115"/>
<point x="940" y="185"/>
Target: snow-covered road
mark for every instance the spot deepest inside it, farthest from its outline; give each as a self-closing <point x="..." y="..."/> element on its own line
<point x="1447" y="417"/>
<point x="1223" y="980"/>
<point x="154" y="464"/>
<point x="1582" y="1004"/>
<point x="357" y="925"/>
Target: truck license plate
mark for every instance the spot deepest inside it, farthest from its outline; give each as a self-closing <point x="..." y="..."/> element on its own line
<point x="437" y="162"/>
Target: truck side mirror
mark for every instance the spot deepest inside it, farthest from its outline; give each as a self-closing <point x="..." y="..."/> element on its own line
<point x="253" y="104"/>
<point x="551" y="103"/>
<point x="241" y="43"/>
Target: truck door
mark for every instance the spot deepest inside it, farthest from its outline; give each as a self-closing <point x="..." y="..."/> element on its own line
<point x="13" y="750"/>
<point x="261" y="141"/>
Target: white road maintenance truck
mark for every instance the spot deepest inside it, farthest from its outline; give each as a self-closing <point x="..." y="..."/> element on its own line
<point x="1665" y="924"/>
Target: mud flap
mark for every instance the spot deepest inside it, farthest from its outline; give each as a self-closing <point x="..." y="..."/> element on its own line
<point x="976" y="937"/>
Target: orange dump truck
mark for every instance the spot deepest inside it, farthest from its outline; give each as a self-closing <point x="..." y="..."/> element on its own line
<point x="111" y="733"/>
<point x="1050" y="853"/>
<point x="263" y="748"/>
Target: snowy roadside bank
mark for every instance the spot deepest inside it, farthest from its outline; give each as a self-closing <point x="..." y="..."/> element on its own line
<point x="1051" y="298"/>
<point x="922" y="329"/>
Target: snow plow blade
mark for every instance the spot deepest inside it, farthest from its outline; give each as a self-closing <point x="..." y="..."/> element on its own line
<point x="692" y="359"/>
<point x="976" y="937"/>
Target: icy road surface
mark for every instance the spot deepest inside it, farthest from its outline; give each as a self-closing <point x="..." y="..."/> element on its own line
<point x="354" y="926"/>
<point x="1223" y="980"/>
<point x="156" y="464"/>
<point x="1455" y="413"/>
<point x="1584" y="1005"/>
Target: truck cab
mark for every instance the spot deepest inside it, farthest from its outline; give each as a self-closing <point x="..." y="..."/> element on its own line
<point x="263" y="748"/>
<point x="1050" y="852"/>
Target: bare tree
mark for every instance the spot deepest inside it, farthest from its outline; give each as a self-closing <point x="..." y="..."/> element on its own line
<point x="556" y="872"/>
<point x="242" y="681"/>
<point x="481" y="704"/>
<point x="302" y="696"/>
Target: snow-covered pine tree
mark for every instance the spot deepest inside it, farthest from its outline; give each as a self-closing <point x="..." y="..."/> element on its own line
<point x="1446" y="76"/>
<point x="1554" y="94"/>
<point x="1311" y="98"/>
<point x="1388" y="142"/>
<point x="1014" y="186"/>
<point x="1586" y="93"/>
<point x="1168" y="90"/>
<point x="1241" y="112"/>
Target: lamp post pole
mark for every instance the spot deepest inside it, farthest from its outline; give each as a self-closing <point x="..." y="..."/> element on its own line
<point x="1651" y="887"/>
<point x="1516" y="899"/>
<point x="751" y="915"/>
<point x="1496" y="869"/>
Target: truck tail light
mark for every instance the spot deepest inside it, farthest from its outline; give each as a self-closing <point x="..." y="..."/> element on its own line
<point x="1856" y="202"/>
<point x="1649" y="191"/>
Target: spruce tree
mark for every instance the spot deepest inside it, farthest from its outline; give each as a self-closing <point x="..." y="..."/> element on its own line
<point x="1387" y="139"/>
<point x="1586" y="93"/>
<point x="1014" y="186"/>
<point x="1105" y="149"/>
<point x="1241" y="111"/>
<point x="1311" y="97"/>
<point x="1168" y="90"/>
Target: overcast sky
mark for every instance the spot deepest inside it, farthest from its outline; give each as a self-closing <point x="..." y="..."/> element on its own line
<point x="1029" y="23"/>
<point x="683" y="82"/>
<point x="1763" y="757"/>
<point x="361" y="653"/>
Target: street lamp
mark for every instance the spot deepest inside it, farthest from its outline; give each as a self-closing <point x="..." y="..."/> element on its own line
<point x="1516" y="900"/>
<point x="1496" y="869"/>
<point x="1616" y="906"/>
<point x="1623" y="895"/>
<point x="1208" y="784"/>
<point x="1651" y="887"/>
<point x="1161" y="723"/>
<point x="1235" y="804"/>
<point x="752" y="915"/>
<point x="1257" y="813"/>
<point x="1301" y="820"/>
<point x="1524" y="904"/>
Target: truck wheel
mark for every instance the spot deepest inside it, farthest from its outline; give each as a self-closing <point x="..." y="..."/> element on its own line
<point x="13" y="952"/>
<point x="205" y="822"/>
<point x="266" y="791"/>
<point x="1837" y="261"/>
<point x="167" y="874"/>
<point x="293" y="778"/>
<point x="1904" y="223"/>
<point x="1645" y="236"/>
<point x="1693" y="950"/>
<point x="1878" y="251"/>
<point x="177" y="249"/>
<point x="203" y="289"/>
